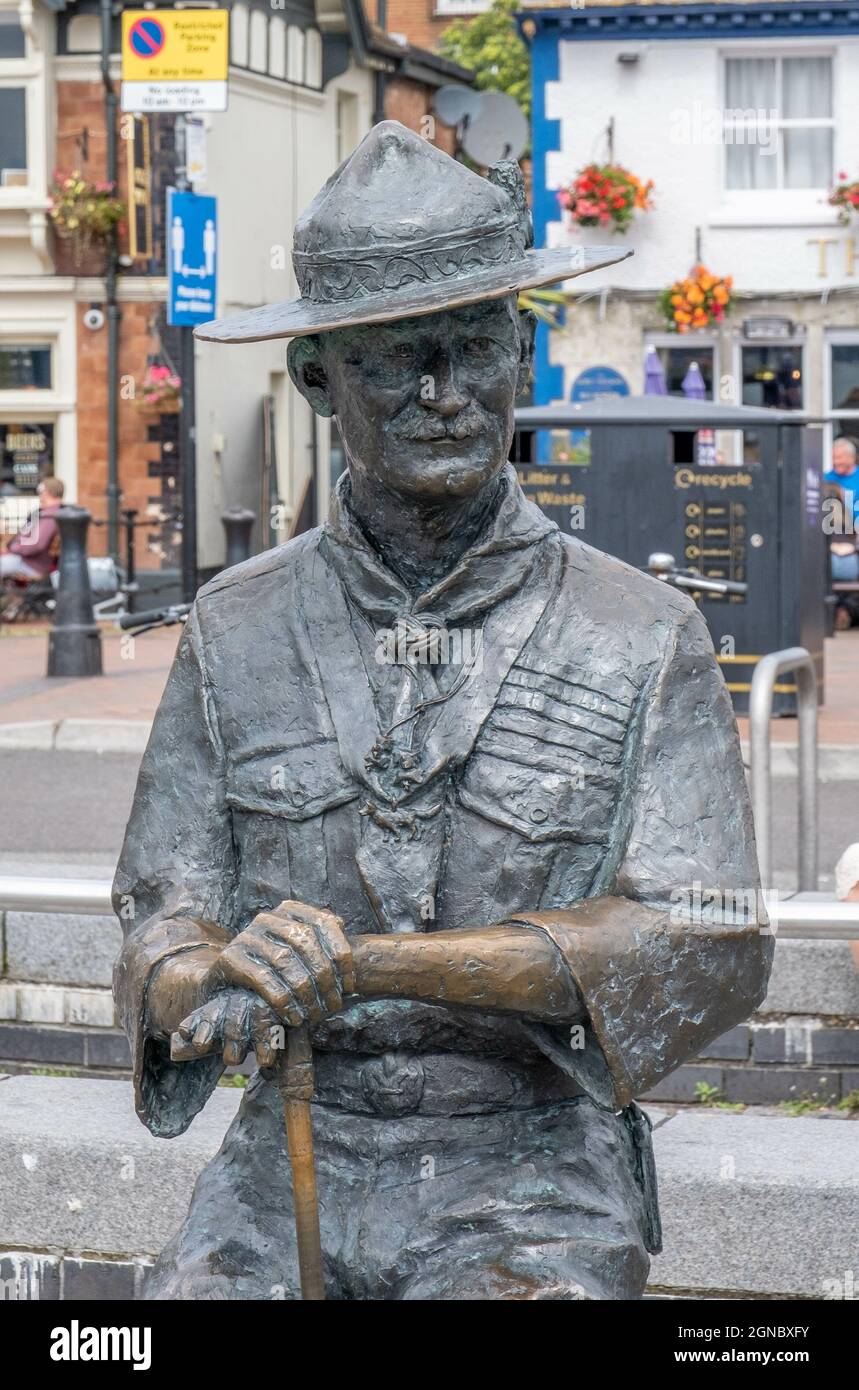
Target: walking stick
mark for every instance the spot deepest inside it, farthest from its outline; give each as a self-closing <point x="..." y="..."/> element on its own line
<point x="293" y="1076"/>
<point x="294" y="1080"/>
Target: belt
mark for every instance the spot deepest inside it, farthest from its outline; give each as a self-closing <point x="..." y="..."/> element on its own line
<point x="435" y="1083"/>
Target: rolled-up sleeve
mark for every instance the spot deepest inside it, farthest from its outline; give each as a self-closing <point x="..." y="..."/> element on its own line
<point x="673" y="948"/>
<point x="174" y="882"/>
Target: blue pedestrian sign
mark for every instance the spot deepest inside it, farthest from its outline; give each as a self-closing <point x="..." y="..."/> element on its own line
<point x="192" y="258"/>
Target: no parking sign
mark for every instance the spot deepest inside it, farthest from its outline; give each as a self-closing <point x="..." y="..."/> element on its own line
<point x="174" y="60"/>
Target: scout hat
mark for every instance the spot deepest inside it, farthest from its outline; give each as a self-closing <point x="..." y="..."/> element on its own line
<point x="401" y="229"/>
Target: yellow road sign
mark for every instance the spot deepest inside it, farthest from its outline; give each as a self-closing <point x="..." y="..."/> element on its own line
<point x="175" y="60"/>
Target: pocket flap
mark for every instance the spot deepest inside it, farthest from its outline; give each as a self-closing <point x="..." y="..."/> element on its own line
<point x="296" y="783"/>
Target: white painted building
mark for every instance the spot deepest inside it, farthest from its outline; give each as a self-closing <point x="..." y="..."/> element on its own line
<point x="742" y="115"/>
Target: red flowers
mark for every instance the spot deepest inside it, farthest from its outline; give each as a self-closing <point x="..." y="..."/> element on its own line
<point x="603" y="195"/>
<point x="845" y="197"/>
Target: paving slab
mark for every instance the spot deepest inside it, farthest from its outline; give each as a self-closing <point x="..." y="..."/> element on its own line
<point x="750" y="1205"/>
<point x="757" y="1205"/>
<point x="80" y="1173"/>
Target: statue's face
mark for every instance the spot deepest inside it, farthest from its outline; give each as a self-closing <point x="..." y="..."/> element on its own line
<point x="424" y="405"/>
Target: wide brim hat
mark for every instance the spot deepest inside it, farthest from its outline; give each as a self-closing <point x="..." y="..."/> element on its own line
<point x="401" y="230"/>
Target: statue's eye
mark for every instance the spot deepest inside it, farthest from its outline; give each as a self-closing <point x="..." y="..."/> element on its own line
<point x="478" y="347"/>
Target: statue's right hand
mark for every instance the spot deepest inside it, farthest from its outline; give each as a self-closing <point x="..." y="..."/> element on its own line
<point x="231" y="1022"/>
<point x="295" y="957"/>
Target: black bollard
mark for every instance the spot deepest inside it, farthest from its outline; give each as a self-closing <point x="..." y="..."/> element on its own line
<point x="238" y="522"/>
<point x="74" y="645"/>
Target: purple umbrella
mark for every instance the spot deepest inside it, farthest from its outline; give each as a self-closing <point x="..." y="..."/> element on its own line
<point x="692" y="384"/>
<point x="654" y="376"/>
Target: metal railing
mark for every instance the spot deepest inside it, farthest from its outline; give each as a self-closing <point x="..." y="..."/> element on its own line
<point x="82" y="895"/>
<point x="798" y="660"/>
<point x="805" y="918"/>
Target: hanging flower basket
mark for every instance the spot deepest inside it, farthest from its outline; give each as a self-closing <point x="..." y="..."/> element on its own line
<point x="845" y="197"/>
<point x="84" y="213"/>
<point x="698" y="301"/>
<point x="606" y="195"/>
<point x="160" y="391"/>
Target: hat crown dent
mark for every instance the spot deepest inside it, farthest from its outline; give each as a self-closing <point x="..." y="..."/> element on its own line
<point x="396" y="190"/>
<point x="401" y="230"/>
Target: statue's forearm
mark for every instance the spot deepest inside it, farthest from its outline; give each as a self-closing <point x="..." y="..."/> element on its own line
<point x="504" y="969"/>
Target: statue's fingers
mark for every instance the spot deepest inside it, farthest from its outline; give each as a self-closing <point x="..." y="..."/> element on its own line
<point x="199" y="1038"/>
<point x="268" y="1035"/>
<point x="286" y="962"/>
<point x="335" y="944"/>
<point x="250" y="971"/>
<point x="330" y="932"/>
<point x="236" y="1030"/>
<point x="303" y="941"/>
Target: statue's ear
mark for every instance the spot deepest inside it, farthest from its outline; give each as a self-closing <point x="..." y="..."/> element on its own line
<point x="304" y="361"/>
<point x="527" y="329"/>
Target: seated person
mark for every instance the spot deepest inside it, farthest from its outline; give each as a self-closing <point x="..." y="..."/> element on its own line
<point x="843" y="554"/>
<point x="32" y="553"/>
<point x="844" y="472"/>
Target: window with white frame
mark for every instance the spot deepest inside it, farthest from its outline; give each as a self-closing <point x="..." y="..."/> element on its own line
<point x="13" y="102"/>
<point x="676" y="360"/>
<point x="779" y="127"/>
<point x="13" y="136"/>
<point x="843" y="387"/>
<point x="772" y="374"/>
<point x="12" y="41"/>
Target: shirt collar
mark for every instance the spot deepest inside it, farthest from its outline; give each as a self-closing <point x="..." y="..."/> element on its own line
<point x="493" y="568"/>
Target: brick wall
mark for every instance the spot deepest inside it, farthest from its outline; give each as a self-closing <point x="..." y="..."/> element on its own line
<point x="135" y="451"/>
<point x="410" y="102"/>
<point x="80" y="106"/>
<point x="414" y="18"/>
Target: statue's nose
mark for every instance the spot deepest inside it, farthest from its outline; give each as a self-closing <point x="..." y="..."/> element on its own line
<point x="441" y="392"/>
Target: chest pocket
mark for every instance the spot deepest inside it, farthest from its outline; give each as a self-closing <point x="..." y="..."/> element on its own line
<point x="548" y="761"/>
<point x="296" y="783"/>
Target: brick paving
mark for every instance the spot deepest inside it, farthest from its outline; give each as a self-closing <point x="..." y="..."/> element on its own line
<point x="134" y="679"/>
<point x="131" y="687"/>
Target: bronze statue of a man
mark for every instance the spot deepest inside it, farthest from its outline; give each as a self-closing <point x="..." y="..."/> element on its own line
<point x="433" y="781"/>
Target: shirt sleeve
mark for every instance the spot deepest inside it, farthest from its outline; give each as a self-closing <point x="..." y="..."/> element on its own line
<point x="172" y="891"/>
<point x="673" y="948"/>
<point x="31" y="546"/>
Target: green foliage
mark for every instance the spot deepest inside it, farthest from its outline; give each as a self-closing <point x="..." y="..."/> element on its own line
<point x="850" y="1102"/>
<point x="706" y="1093"/>
<point x="712" y="1095"/>
<point x="491" y="47"/>
<point x="805" y="1105"/>
<point x="238" y="1080"/>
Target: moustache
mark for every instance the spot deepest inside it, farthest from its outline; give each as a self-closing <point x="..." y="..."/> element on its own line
<point x="425" y="426"/>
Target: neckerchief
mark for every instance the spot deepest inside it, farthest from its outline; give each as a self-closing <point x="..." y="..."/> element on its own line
<point x="498" y="590"/>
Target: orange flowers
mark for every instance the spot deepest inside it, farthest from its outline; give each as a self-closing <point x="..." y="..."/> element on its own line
<point x="697" y="301"/>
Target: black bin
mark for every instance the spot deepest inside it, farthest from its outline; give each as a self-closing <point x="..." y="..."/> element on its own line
<point x="732" y="491"/>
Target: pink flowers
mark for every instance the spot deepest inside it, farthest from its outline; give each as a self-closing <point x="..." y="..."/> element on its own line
<point x="602" y="195"/>
<point x="160" y="388"/>
<point x="845" y="197"/>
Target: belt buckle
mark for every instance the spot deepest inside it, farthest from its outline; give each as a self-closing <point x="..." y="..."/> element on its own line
<point x="393" y="1083"/>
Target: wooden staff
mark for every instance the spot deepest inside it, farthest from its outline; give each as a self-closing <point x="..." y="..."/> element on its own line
<point x="294" y="1080"/>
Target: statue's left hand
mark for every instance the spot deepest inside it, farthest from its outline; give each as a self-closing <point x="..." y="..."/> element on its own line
<point x="232" y="1022"/>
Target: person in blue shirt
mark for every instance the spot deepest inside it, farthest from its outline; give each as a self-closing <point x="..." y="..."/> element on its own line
<point x="845" y="472"/>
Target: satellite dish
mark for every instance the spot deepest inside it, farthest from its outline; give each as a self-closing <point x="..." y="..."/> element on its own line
<point x="453" y="103"/>
<point x="498" y="131"/>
